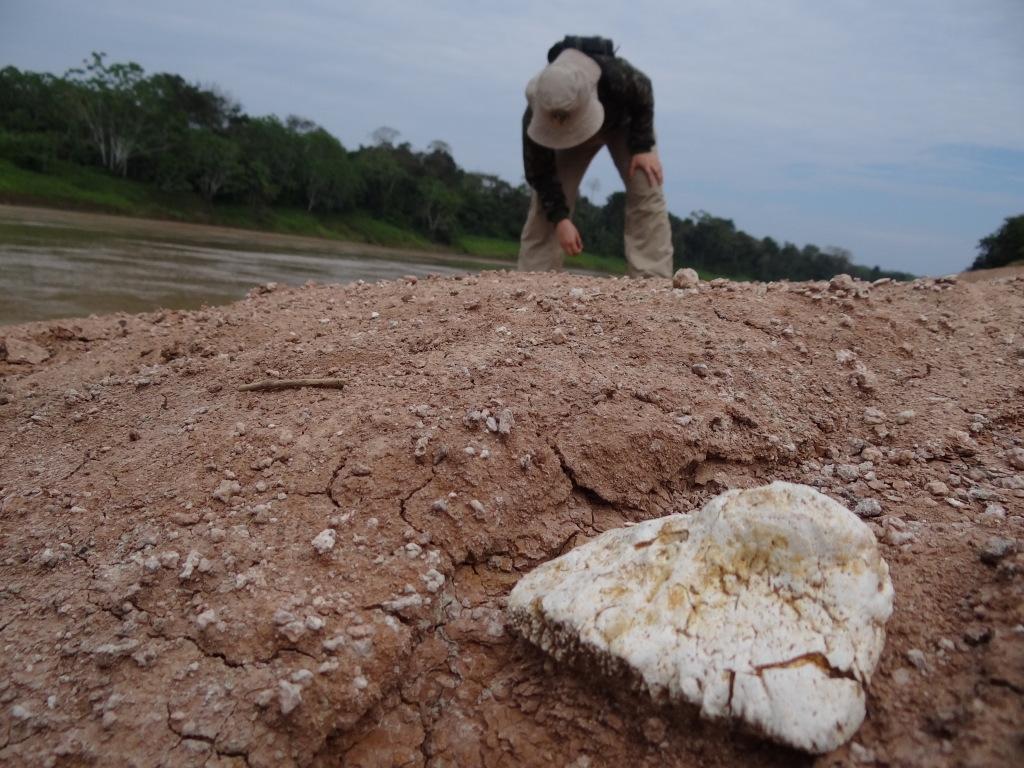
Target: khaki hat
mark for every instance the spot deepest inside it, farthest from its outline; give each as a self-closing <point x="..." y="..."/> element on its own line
<point x="563" y="98"/>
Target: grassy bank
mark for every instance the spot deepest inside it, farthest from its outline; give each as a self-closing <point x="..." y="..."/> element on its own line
<point x="76" y="187"/>
<point x="508" y="250"/>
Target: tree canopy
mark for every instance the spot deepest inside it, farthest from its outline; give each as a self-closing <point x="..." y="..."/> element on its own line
<point x="1003" y="247"/>
<point x="184" y="137"/>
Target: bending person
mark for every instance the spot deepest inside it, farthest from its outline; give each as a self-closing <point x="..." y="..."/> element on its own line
<point x="585" y="99"/>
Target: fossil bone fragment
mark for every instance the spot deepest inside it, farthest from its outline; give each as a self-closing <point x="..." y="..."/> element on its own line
<point x="768" y="607"/>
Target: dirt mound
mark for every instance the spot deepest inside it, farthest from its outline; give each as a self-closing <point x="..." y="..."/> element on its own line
<point x="170" y="596"/>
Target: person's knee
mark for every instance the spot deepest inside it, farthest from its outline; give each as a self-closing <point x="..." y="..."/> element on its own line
<point x="649" y="216"/>
<point x="646" y="198"/>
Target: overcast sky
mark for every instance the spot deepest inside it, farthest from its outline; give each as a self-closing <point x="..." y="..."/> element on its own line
<point x="893" y="129"/>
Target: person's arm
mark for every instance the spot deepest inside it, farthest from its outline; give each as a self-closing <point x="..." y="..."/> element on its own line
<point x="634" y="91"/>
<point x="637" y="94"/>
<point x="542" y="175"/>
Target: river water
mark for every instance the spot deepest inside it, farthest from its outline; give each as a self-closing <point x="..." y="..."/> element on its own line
<point x="68" y="264"/>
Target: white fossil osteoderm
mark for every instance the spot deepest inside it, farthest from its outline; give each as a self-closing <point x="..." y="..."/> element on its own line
<point x="768" y="606"/>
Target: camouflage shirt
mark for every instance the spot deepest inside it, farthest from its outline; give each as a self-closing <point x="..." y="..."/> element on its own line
<point x="628" y="99"/>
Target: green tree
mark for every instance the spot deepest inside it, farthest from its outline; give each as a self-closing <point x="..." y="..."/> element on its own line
<point x="269" y="157"/>
<point x="34" y="129"/>
<point x="439" y="204"/>
<point x="492" y="207"/>
<point x="328" y="178"/>
<point x="602" y="227"/>
<point x="1003" y="247"/>
<point x="382" y="176"/>
<point x="212" y="162"/>
<point x="29" y="102"/>
<point x="115" y="103"/>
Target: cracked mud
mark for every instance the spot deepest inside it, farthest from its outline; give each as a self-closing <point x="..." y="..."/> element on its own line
<point x="162" y="600"/>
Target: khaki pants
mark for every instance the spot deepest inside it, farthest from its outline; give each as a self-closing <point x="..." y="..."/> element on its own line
<point x="648" y="237"/>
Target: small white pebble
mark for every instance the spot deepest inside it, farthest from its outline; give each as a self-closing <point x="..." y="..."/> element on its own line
<point x="916" y="657"/>
<point x="324" y="541"/>
<point x="433" y="579"/>
<point x="282" y="617"/>
<point x="293" y="630"/>
<point x="290" y="696"/>
<point x="169" y="560"/>
<point x="329" y="667"/>
<point x="905" y="417"/>
<point x="862" y="754"/>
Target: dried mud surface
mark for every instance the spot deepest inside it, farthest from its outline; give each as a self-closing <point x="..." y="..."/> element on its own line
<point x="162" y="601"/>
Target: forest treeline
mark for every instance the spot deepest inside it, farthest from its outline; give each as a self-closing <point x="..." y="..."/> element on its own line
<point x="1004" y="247"/>
<point x="188" y="139"/>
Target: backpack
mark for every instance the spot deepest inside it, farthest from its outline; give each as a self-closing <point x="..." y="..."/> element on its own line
<point x="592" y="46"/>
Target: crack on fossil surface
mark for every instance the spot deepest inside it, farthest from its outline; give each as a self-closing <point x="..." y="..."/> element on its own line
<point x="815" y="659"/>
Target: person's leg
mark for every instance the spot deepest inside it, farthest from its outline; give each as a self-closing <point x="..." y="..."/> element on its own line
<point x="539" y="250"/>
<point x="538" y="245"/>
<point x="648" y="233"/>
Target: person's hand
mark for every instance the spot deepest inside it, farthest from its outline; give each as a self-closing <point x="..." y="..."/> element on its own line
<point x="569" y="237"/>
<point x="649" y="163"/>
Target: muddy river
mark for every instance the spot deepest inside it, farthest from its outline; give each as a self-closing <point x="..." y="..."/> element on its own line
<point x="70" y="264"/>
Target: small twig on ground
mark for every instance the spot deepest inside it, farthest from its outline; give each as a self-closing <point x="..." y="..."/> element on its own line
<point x="291" y="384"/>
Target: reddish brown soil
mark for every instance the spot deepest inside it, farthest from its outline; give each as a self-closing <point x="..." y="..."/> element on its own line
<point x="112" y="448"/>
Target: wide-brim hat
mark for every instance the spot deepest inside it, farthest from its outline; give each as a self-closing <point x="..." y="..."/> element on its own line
<point x="563" y="99"/>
